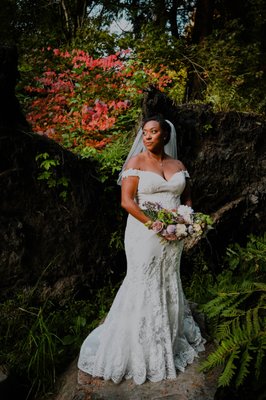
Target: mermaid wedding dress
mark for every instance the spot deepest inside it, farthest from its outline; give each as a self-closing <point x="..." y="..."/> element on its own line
<point x="149" y="332"/>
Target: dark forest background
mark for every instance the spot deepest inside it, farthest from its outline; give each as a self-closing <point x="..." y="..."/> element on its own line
<point x="76" y="78"/>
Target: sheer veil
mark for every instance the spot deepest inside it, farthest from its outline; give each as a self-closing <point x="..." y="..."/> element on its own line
<point x="138" y="147"/>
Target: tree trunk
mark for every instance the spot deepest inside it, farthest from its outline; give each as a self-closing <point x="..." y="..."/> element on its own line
<point x="203" y="20"/>
<point x="81" y="6"/>
<point x="202" y="28"/>
<point x="136" y="17"/>
<point x="67" y="24"/>
<point x="74" y="16"/>
<point x="159" y="14"/>
<point x="172" y="19"/>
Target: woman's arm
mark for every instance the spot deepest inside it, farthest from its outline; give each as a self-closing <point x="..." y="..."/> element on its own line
<point x="186" y="195"/>
<point x="128" y="193"/>
<point x="129" y="190"/>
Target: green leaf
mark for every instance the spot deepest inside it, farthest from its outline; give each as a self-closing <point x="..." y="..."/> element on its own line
<point x="244" y="367"/>
<point x="46" y="175"/>
<point x="229" y="370"/>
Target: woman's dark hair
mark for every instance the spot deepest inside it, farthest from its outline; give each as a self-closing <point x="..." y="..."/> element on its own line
<point x="165" y="127"/>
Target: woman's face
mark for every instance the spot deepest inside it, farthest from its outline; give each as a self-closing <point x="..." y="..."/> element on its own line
<point x="153" y="137"/>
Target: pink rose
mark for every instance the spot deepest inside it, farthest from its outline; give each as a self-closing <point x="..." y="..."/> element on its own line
<point x="157" y="226"/>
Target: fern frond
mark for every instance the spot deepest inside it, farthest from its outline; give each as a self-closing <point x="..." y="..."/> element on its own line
<point x="227" y="296"/>
<point x="239" y="309"/>
<point x="260" y="356"/>
<point x="223" y="330"/>
<point x="260" y="286"/>
<point x="237" y="333"/>
<point x="262" y="300"/>
<point x="248" y="321"/>
<point x="221" y="354"/>
<point x="230" y="369"/>
<point x="232" y="313"/>
<point x="238" y="337"/>
<point x="255" y="319"/>
<point x="215" y="306"/>
<point x="244" y="367"/>
<point x="232" y="310"/>
<point x="246" y="286"/>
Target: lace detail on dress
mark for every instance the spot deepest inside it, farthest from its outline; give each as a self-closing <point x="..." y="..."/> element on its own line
<point x="149" y="331"/>
<point x="144" y="335"/>
<point x="130" y="172"/>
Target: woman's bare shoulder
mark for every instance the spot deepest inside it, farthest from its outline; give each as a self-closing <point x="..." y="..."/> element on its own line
<point x="177" y="164"/>
<point x="181" y="165"/>
<point x="135" y="162"/>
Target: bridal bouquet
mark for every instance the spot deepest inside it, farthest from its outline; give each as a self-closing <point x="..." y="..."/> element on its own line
<point x="176" y="224"/>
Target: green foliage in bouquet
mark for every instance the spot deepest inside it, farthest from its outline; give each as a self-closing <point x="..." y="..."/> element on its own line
<point x="201" y="218"/>
<point x="237" y="314"/>
<point x="163" y="215"/>
<point x="178" y="223"/>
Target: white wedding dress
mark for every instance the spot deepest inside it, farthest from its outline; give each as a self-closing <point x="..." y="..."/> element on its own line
<point x="149" y="332"/>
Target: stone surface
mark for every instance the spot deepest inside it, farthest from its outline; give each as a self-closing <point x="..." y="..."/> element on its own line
<point x="190" y="385"/>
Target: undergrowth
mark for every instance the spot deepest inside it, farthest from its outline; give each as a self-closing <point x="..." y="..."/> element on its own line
<point x="38" y="341"/>
<point x="236" y="314"/>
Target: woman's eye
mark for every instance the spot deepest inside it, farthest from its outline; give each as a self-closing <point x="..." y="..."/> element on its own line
<point x="151" y="132"/>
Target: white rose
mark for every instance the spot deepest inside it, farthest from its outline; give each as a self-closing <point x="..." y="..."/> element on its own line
<point x="181" y="230"/>
<point x="186" y="212"/>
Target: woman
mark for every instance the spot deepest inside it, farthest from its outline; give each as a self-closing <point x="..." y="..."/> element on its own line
<point x="149" y="332"/>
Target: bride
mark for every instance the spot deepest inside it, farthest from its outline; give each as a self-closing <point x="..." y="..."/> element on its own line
<point x="149" y="332"/>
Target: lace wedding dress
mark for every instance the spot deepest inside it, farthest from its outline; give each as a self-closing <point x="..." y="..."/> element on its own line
<point x="149" y="332"/>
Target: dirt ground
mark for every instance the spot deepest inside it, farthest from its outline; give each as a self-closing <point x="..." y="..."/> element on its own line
<point x="190" y="385"/>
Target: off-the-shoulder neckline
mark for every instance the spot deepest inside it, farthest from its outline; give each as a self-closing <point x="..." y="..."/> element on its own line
<point x="155" y="173"/>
